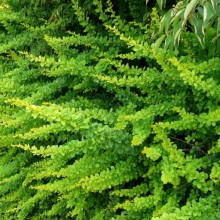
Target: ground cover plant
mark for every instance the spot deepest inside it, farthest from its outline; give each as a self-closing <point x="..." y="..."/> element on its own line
<point x="109" y="109"/>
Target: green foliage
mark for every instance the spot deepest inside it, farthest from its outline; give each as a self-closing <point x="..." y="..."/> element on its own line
<point x="97" y="121"/>
<point x="199" y="16"/>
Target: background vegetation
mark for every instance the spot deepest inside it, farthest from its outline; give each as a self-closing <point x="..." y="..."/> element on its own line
<point x="109" y="109"/>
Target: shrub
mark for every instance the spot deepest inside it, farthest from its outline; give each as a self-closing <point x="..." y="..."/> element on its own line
<point x="99" y="121"/>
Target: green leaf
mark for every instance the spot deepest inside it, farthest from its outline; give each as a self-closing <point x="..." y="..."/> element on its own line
<point x="176" y="32"/>
<point x="198" y="28"/>
<point x="161" y="3"/>
<point x="165" y="21"/>
<point x="189" y="8"/>
<point x="214" y="4"/>
<point x="208" y="13"/>
<point x="169" y="42"/>
<point x="157" y="44"/>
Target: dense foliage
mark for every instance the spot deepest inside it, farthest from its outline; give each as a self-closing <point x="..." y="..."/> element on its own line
<point x="100" y="119"/>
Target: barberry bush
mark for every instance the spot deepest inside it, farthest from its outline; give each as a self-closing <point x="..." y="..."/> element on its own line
<point x="109" y="110"/>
